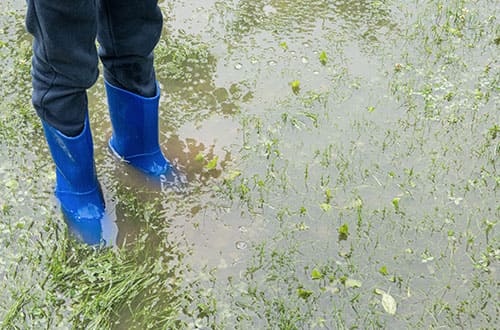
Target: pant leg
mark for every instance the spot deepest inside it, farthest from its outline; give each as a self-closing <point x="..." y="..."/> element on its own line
<point x="64" y="63"/>
<point x="128" y="31"/>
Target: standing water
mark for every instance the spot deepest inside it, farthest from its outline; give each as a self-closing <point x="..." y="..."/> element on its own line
<point x="341" y="160"/>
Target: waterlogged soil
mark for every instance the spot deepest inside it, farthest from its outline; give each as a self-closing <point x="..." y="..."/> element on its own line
<point x="342" y="169"/>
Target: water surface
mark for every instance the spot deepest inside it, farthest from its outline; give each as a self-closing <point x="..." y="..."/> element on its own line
<point x="373" y="185"/>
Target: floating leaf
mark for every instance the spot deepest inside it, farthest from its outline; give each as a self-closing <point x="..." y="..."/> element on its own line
<point x="389" y="303"/>
<point x="199" y="157"/>
<point x="323" y="58"/>
<point x="350" y="283"/>
<point x="325" y="207"/>
<point x="316" y="274"/>
<point x="284" y="45"/>
<point x="383" y="270"/>
<point x="303" y="210"/>
<point x="304" y="294"/>
<point x="212" y="164"/>
<point x="344" y="230"/>
<point x="395" y="202"/>
<point x="370" y="109"/>
<point x="295" y="86"/>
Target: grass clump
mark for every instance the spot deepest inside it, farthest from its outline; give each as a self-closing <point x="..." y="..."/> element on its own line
<point x="104" y="288"/>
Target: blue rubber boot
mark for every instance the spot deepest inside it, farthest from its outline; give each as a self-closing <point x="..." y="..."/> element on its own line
<point x="77" y="187"/>
<point x="135" y="130"/>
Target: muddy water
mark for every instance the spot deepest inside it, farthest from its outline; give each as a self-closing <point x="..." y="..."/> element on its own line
<point x="391" y="136"/>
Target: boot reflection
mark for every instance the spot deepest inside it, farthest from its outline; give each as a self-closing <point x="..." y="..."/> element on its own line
<point x="96" y="232"/>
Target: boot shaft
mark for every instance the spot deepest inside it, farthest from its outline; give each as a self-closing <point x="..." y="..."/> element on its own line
<point x="135" y="121"/>
<point x="135" y="136"/>
<point x="74" y="159"/>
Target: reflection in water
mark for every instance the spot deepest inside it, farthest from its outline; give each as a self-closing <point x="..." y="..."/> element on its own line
<point x="189" y="190"/>
<point x="103" y="232"/>
<point x="196" y="132"/>
<point x="191" y="95"/>
<point x="297" y="18"/>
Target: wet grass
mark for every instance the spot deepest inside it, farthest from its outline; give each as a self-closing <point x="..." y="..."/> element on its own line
<point x="361" y="190"/>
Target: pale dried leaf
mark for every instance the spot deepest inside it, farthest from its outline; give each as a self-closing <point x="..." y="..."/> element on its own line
<point x="389" y="303"/>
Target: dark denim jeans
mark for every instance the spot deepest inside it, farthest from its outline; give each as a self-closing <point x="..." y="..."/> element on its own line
<point x="65" y="57"/>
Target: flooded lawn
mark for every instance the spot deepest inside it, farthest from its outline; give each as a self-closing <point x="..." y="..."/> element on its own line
<point x="342" y="168"/>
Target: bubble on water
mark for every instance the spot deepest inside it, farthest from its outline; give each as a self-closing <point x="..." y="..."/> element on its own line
<point x="306" y="44"/>
<point x="254" y="60"/>
<point x="272" y="63"/>
<point x="305" y="60"/>
<point x="241" y="245"/>
<point x="242" y="229"/>
<point x="316" y="72"/>
<point x="238" y="66"/>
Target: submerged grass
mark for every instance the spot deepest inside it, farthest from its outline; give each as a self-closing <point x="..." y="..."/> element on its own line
<point x="104" y="285"/>
<point x="417" y="181"/>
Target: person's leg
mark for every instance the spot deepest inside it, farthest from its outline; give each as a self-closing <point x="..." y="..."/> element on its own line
<point x="128" y="31"/>
<point x="64" y="60"/>
<point x="64" y="66"/>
